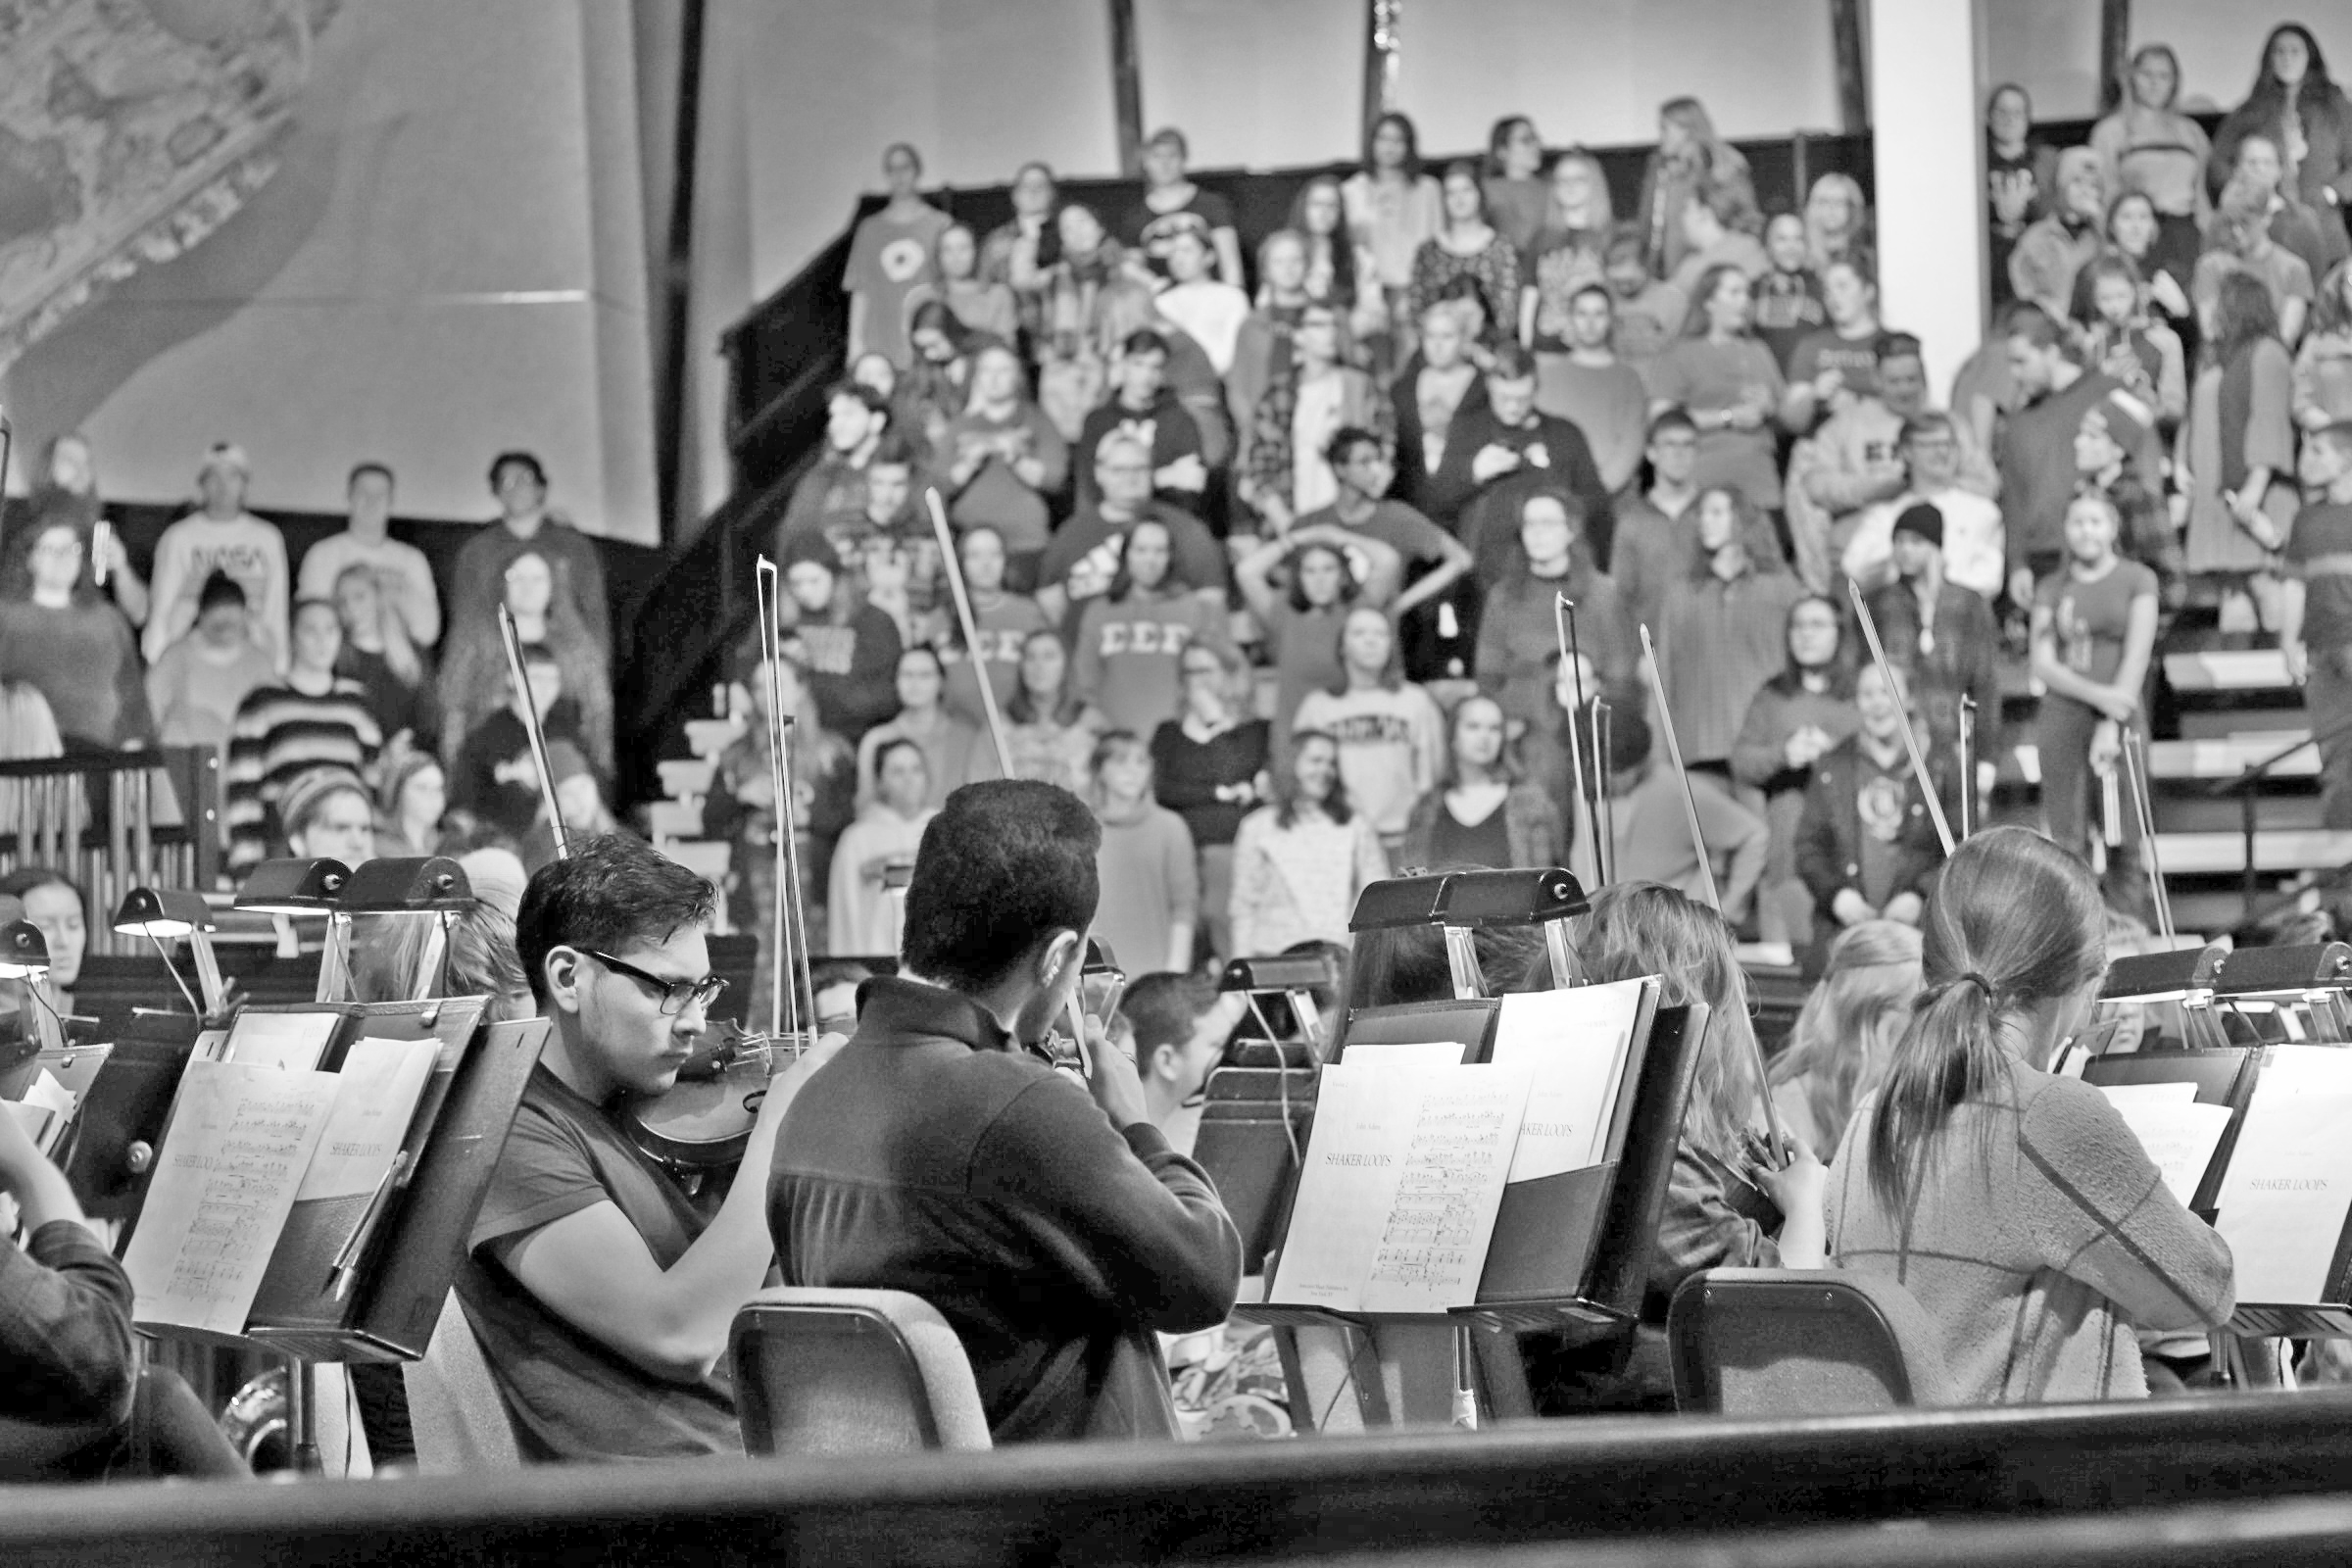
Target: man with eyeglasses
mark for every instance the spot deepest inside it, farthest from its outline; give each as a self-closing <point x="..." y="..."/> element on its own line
<point x="601" y="1295"/>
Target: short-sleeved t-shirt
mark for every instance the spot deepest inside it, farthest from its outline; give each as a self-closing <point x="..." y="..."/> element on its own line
<point x="1788" y="308"/>
<point x="570" y="1397"/>
<point x="1151" y="232"/>
<point x="1084" y="555"/>
<point x="2323" y="533"/>
<point x="1411" y="535"/>
<point x="2089" y="620"/>
<point x="1648" y="323"/>
<point x="888" y="259"/>
<point x="1857" y="358"/>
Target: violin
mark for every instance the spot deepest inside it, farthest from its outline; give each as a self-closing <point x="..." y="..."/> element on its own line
<point x="704" y="1121"/>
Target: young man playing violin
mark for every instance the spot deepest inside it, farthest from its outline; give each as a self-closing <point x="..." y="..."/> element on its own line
<point x="601" y="1296"/>
<point x="941" y="1154"/>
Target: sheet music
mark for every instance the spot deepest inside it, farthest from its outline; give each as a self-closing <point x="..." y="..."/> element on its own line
<point x="2126" y="1096"/>
<point x="38" y="1122"/>
<point x="375" y="1096"/>
<point x="292" y="1042"/>
<point x="2179" y="1134"/>
<point x="2289" y="1185"/>
<point x="241" y="1137"/>
<point x="1405" y="1171"/>
<point x="1573" y="1042"/>
<point x="56" y="1103"/>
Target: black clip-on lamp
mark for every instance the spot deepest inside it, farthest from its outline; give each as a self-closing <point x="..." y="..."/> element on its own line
<point x="303" y="889"/>
<point x="166" y="914"/>
<point x="25" y="958"/>
<point x="431" y="885"/>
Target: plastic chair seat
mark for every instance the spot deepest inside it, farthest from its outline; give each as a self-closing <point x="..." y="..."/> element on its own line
<point x="850" y="1372"/>
<point x="1761" y="1342"/>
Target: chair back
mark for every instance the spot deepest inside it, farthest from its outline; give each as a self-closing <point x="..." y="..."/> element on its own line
<point x="456" y="1416"/>
<point x="1769" y="1342"/>
<point x="850" y="1372"/>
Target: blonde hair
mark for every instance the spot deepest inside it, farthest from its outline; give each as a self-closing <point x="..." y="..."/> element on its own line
<point x="1849" y="1023"/>
<point x="1641" y="928"/>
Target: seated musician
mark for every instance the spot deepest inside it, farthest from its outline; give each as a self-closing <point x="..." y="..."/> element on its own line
<point x="601" y="1296"/>
<point x="74" y="1403"/>
<point x="940" y="1153"/>
<point x="2018" y="1206"/>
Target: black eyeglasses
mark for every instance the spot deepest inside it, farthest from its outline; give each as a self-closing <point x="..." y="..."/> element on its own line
<point x="675" y="995"/>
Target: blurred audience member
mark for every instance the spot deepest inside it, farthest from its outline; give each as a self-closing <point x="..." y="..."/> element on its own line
<point x="195" y="688"/>
<point x="1150" y="882"/>
<point x="402" y="573"/>
<point x="220" y="536"/>
<point x="317" y="718"/>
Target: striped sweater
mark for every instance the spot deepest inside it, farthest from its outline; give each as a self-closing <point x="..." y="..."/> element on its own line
<point x="2039" y="1263"/>
<point x="279" y="734"/>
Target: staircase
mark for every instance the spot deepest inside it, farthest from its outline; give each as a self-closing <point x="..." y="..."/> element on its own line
<point x="2216" y="712"/>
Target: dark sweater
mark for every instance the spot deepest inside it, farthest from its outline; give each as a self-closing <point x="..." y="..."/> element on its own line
<point x="83" y="661"/>
<point x="65" y="1330"/>
<point x="1486" y="516"/>
<point x="936" y="1156"/>
<point x="852" y="669"/>
<point x="1188" y="774"/>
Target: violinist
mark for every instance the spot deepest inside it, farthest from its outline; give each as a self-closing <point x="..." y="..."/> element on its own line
<point x="601" y="1295"/>
<point x="940" y="1153"/>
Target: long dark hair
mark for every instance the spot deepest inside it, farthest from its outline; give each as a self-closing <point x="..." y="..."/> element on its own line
<point x="1348" y="589"/>
<point x="1173" y="583"/>
<point x="2270" y="91"/>
<point x="1840" y="667"/>
<point x="1342" y="247"/>
<point x="2242" y="317"/>
<point x="1498" y="136"/>
<point x="1411" y="167"/>
<point x="1285" y="781"/>
<point x="2013" y="920"/>
<point x="1022" y="708"/>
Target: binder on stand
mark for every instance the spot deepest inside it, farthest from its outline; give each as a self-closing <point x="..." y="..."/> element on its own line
<point x="351" y="1276"/>
<point x="2277" y="1184"/>
<point x="1567" y="1245"/>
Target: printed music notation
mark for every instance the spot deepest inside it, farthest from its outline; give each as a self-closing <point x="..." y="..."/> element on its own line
<point x="242" y="1135"/>
<point x="1405" y="1171"/>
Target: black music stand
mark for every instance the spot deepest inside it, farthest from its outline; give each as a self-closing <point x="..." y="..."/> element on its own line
<point x="1569" y="1254"/>
<point x="2246" y="1003"/>
<point x="365" y="1279"/>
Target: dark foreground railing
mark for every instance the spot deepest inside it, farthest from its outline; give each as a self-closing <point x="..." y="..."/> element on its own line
<point x="1552" y="1483"/>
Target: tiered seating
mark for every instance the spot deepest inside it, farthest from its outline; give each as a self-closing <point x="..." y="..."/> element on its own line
<point x="676" y="819"/>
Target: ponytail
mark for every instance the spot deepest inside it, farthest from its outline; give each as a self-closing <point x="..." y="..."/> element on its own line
<point x="2013" y="920"/>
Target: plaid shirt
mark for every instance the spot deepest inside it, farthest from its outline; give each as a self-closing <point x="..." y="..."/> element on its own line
<point x="66" y="1349"/>
<point x="1713" y="1218"/>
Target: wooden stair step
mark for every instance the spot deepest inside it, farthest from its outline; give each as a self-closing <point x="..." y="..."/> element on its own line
<point x="2223" y="854"/>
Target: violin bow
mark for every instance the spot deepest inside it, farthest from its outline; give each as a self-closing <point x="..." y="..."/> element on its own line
<point x="1674" y="753"/>
<point x="1563" y="620"/>
<point x="1919" y="763"/>
<point x="954" y="569"/>
<point x="529" y="710"/>
<point x="789" y="910"/>
<point x="1777" y="1139"/>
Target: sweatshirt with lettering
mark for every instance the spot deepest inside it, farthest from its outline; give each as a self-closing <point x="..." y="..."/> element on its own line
<point x="1391" y="746"/>
<point x="1129" y="652"/>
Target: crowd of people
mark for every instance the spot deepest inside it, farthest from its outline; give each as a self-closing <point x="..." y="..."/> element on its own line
<point x="1247" y="529"/>
<point x="1261" y="556"/>
<point x="340" y="691"/>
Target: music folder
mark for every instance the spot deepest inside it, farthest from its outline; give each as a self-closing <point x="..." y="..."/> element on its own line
<point x="1550" y="1224"/>
<point x="1254" y="1129"/>
<point x="331" y="1229"/>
